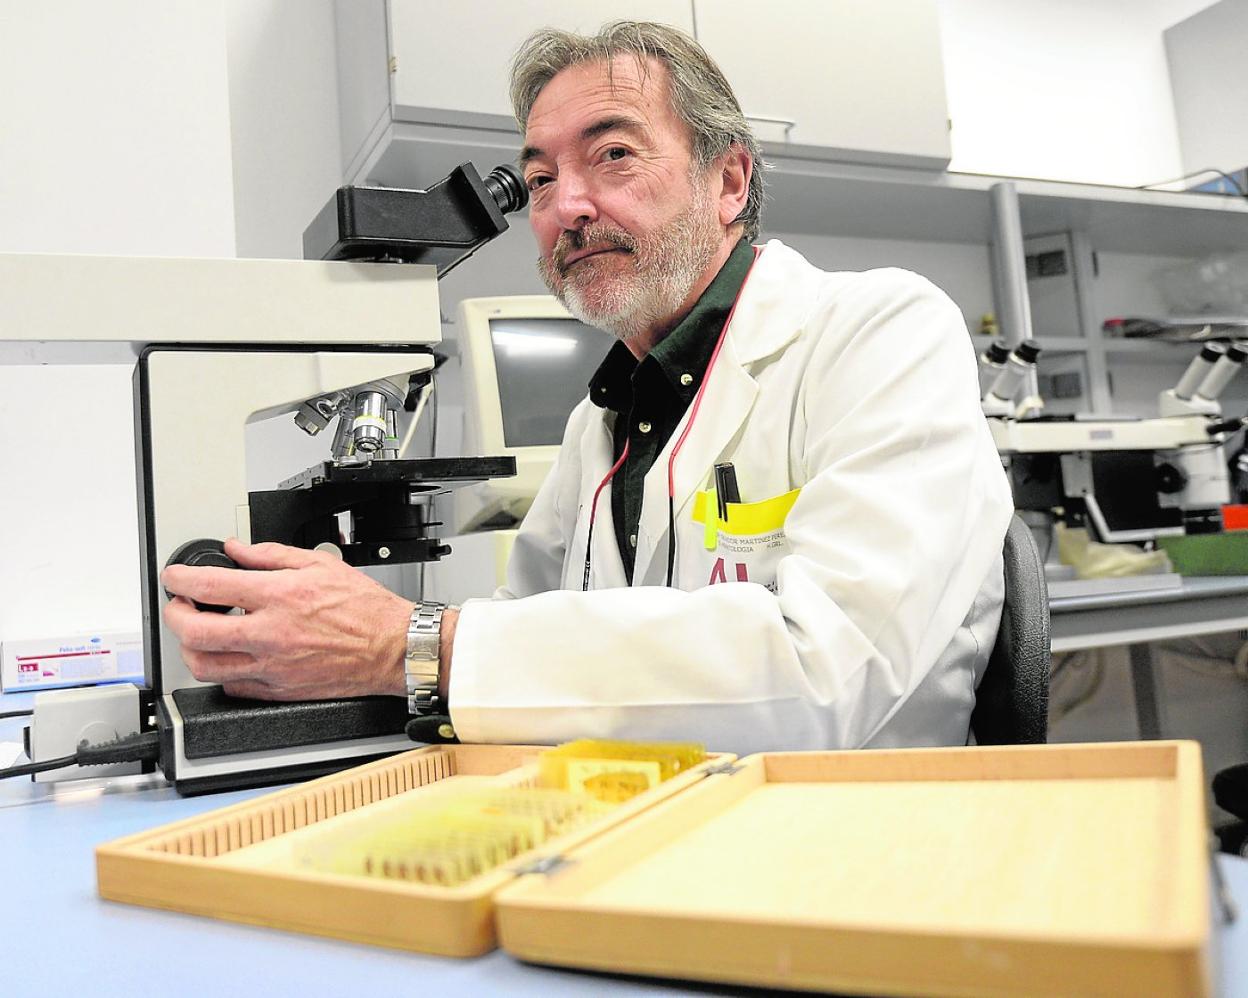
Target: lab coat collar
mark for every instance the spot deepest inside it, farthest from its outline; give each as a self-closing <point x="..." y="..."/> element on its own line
<point x="776" y="298"/>
<point x="775" y="301"/>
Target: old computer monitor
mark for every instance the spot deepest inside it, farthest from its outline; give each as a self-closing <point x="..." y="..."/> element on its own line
<point x="526" y="364"/>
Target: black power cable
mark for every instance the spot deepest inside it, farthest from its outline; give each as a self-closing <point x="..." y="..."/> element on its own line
<point x="16" y="713"/>
<point x="136" y="748"/>
<point x="31" y="768"/>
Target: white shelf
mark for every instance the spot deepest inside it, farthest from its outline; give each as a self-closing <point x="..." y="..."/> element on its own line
<point x="1163" y="350"/>
<point x="1157" y="348"/>
<point x="1050" y="345"/>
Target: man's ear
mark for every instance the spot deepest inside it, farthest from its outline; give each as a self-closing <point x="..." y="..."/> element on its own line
<point x="736" y="170"/>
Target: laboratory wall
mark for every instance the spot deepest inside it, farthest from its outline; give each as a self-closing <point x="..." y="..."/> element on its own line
<point x="284" y="136"/>
<point x="199" y="128"/>
<point x="1064" y="90"/>
<point x="1206" y="57"/>
<point x="115" y="139"/>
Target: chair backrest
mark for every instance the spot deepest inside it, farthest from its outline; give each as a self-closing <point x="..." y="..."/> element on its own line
<point x="1012" y="702"/>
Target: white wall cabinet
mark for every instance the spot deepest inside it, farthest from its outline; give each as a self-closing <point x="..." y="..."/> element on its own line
<point x="452" y="60"/>
<point x="852" y="80"/>
<point x="859" y="80"/>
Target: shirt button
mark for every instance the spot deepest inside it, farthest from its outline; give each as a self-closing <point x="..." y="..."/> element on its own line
<point x="632" y="539"/>
<point x="644" y="426"/>
<point x="686" y="379"/>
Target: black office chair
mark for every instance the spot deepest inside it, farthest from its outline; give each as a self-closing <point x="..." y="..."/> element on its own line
<point x="1012" y="702"/>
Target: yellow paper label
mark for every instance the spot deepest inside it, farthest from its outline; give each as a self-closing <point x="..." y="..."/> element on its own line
<point x="583" y="771"/>
<point x="744" y="517"/>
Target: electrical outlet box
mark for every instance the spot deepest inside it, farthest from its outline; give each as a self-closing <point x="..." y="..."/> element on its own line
<point x="65" y="718"/>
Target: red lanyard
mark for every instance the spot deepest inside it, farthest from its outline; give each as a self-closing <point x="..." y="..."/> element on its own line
<point x="671" y="461"/>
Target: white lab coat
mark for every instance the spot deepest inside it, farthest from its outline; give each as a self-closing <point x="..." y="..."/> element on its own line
<point x="868" y="615"/>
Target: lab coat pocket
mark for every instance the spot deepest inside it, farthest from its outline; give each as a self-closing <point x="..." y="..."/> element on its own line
<point x="747" y="544"/>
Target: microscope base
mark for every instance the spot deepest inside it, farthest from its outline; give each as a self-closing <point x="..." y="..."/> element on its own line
<point x="211" y="742"/>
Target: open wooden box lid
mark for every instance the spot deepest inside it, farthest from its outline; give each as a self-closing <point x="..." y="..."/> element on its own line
<point x="1023" y="870"/>
<point x="241" y="862"/>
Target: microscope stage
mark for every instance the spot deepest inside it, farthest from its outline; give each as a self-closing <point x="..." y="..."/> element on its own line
<point x="426" y="473"/>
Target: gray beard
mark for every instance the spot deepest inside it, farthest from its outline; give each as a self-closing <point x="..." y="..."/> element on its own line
<point x="667" y="264"/>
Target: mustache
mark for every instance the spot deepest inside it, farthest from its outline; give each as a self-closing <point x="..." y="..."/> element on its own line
<point x="594" y="234"/>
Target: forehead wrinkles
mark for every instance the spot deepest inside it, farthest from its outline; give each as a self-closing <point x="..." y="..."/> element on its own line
<point x="626" y="82"/>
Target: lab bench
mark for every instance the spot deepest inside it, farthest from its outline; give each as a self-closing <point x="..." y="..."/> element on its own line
<point x="1201" y="605"/>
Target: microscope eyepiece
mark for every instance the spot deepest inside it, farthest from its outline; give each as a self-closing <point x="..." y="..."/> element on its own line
<point x="439" y="225"/>
<point x="996" y="354"/>
<point x="1027" y="351"/>
<point x="506" y="185"/>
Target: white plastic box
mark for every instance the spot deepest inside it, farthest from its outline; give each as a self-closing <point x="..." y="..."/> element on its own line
<point x="74" y="660"/>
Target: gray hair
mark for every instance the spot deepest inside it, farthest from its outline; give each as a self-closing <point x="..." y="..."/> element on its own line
<point x="700" y="95"/>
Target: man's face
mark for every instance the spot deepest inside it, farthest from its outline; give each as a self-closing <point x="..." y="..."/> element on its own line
<point x="624" y="222"/>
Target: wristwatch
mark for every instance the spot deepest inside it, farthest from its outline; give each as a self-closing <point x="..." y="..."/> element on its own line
<point x="420" y="663"/>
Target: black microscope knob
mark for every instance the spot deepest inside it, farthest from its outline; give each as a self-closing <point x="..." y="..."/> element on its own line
<point x="200" y="553"/>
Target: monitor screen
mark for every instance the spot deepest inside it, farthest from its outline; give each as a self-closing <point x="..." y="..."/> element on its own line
<point x="543" y="368"/>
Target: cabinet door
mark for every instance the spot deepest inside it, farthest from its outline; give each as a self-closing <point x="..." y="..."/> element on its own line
<point x="451" y="60"/>
<point x="861" y="80"/>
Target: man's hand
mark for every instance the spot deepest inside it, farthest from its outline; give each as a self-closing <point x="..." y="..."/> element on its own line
<point x="315" y="628"/>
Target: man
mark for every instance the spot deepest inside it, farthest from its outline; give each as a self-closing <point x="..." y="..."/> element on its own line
<point x="849" y="599"/>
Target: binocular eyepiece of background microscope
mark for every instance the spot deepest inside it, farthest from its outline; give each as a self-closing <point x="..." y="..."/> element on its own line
<point x="1021" y="362"/>
<point x="1027" y="352"/>
<point x="1220" y="375"/>
<point x="1201" y="365"/>
<point x="996" y="354"/>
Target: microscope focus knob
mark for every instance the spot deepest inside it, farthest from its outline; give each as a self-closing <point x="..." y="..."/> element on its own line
<point x="1170" y="479"/>
<point x="200" y="553"/>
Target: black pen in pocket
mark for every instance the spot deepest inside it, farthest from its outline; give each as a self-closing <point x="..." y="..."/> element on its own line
<point x="725" y="488"/>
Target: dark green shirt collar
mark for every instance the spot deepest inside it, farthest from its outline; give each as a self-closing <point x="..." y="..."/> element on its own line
<point x="686" y="350"/>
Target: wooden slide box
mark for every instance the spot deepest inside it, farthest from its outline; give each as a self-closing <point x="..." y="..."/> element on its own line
<point x="1024" y="870"/>
<point x="239" y="863"/>
<point x="1028" y="870"/>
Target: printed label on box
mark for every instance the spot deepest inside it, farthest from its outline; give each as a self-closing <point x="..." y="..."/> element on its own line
<point x="106" y="657"/>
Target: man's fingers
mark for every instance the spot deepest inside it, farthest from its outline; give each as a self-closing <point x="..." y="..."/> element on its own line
<point x="220" y="667"/>
<point x="209" y="632"/>
<point x="218" y="586"/>
<point x="270" y="555"/>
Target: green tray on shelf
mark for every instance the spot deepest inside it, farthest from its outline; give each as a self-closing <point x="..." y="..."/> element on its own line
<point x="1208" y="554"/>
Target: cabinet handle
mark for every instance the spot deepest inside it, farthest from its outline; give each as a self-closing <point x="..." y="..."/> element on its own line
<point x="788" y="123"/>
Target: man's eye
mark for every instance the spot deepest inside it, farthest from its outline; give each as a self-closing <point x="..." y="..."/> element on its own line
<point x="615" y="152"/>
<point x="538" y="180"/>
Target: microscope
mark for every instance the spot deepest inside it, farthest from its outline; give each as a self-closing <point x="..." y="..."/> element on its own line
<point x="343" y="344"/>
<point x="1126" y="479"/>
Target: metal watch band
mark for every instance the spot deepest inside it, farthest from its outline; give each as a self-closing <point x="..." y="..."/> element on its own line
<point x="420" y="663"/>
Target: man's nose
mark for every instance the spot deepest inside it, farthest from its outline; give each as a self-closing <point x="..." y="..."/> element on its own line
<point x="574" y="202"/>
